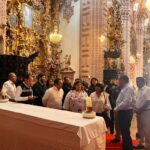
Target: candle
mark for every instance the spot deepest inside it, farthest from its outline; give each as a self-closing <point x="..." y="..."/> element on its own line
<point x="88" y="104"/>
<point x="3" y="93"/>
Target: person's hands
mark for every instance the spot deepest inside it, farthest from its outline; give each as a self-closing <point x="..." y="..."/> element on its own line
<point x="12" y="100"/>
<point x="115" y="111"/>
<point x="106" y="108"/>
<point x="138" y="112"/>
<point x="35" y="97"/>
<point x="30" y="98"/>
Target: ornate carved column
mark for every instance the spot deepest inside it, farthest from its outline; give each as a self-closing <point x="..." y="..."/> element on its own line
<point x="126" y="33"/>
<point x="93" y="13"/>
<point x="3" y="16"/>
<point x="140" y="38"/>
<point x="140" y="31"/>
<point x="146" y="54"/>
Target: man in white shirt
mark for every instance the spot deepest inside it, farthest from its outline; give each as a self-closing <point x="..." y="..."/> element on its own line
<point x="143" y="109"/>
<point x="9" y="86"/>
<point x="53" y="96"/>
<point x="124" y="109"/>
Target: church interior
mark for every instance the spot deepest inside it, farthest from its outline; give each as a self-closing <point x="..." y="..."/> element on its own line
<point x="62" y="45"/>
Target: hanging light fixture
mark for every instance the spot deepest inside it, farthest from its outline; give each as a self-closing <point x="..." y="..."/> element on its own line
<point x="148" y="4"/>
<point x="55" y="37"/>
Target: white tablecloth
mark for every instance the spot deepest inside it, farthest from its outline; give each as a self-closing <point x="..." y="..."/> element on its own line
<point x="68" y="129"/>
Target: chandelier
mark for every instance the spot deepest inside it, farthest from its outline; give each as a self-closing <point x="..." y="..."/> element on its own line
<point x="55" y="37"/>
<point x="148" y="4"/>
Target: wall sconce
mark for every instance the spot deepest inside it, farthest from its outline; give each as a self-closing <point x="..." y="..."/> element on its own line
<point x="147" y="4"/>
<point x="132" y="60"/>
<point x="102" y="38"/>
<point x="138" y="55"/>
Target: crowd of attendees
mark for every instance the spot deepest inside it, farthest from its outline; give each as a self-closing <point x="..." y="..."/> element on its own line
<point x="114" y="102"/>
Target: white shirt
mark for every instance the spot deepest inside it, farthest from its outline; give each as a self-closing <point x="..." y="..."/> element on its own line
<point x="142" y="95"/>
<point x="75" y="101"/>
<point x="53" y="98"/>
<point x="18" y="93"/>
<point x="10" y="88"/>
<point x="125" y="99"/>
<point x="99" y="103"/>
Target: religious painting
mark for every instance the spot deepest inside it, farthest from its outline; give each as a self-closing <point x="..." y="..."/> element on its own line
<point x="13" y="20"/>
<point x="28" y="15"/>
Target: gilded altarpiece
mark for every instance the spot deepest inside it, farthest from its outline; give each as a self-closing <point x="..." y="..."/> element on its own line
<point x="28" y="28"/>
<point x="25" y="28"/>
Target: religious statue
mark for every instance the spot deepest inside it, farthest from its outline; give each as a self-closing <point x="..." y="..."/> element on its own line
<point x="55" y="63"/>
<point x="107" y="64"/>
<point x="67" y="61"/>
<point x="113" y="65"/>
<point x="122" y="66"/>
<point x="67" y="71"/>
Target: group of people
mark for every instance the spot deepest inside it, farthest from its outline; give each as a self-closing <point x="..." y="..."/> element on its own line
<point x="58" y="93"/>
<point x="125" y="101"/>
<point x="116" y="102"/>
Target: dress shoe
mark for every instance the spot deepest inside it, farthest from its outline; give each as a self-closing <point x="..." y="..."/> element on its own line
<point x="115" y="140"/>
<point x="139" y="147"/>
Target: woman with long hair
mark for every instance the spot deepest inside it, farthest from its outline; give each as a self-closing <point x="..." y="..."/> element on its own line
<point x="91" y="88"/>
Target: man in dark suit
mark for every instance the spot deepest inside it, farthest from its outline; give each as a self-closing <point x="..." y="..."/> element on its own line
<point x="39" y="89"/>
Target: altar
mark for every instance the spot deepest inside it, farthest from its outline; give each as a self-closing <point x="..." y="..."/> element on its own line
<point x="28" y="127"/>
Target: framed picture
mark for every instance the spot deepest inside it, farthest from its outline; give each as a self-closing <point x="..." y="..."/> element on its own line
<point x="28" y="14"/>
<point x="13" y="20"/>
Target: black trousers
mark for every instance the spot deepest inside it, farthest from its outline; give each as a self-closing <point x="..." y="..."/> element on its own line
<point x="124" y="119"/>
<point x="112" y="122"/>
<point x="106" y="118"/>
